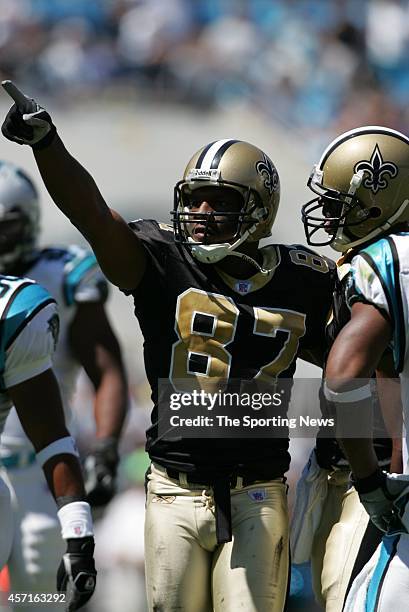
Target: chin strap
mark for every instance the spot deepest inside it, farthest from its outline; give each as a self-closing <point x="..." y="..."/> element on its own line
<point x="213" y="253"/>
<point x="250" y="261"/>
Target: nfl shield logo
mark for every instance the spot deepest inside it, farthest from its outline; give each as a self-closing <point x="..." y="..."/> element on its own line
<point x="243" y="286"/>
<point x="258" y="495"/>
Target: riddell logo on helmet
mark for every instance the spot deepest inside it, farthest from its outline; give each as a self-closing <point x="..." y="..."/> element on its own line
<point x="195" y="173"/>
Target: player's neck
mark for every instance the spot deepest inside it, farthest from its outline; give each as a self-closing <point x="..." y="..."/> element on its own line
<point x="239" y="268"/>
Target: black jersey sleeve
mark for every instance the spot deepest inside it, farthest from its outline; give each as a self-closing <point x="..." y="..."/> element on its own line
<point x="157" y="239"/>
<point x="316" y="277"/>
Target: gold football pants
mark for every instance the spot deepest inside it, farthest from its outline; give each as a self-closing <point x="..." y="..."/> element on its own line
<point x="186" y="570"/>
<point x="336" y="542"/>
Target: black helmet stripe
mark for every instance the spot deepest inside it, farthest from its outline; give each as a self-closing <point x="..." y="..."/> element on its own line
<point x="211" y="155"/>
<point x="216" y="159"/>
<point x="203" y="153"/>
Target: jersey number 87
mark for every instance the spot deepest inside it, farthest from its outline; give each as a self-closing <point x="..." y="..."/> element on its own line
<point x="206" y="323"/>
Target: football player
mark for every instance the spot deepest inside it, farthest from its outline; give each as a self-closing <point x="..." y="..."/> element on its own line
<point x="73" y="278"/>
<point x="363" y="188"/>
<point x="212" y="307"/>
<point x="29" y="329"/>
<point x="337" y="521"/>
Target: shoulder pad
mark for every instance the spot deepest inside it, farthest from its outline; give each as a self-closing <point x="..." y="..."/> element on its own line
<point x="377" y="250"/>
<point x="152" y="231"/>
<point x="80" y="267"/>
<point x="301" y="255"/>
<point x="20" y="300"/>
<point x="55" y="254"/>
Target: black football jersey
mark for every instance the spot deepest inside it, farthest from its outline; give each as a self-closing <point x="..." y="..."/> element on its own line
<point x="329" y="453"/>
<point x="198" y="321"/>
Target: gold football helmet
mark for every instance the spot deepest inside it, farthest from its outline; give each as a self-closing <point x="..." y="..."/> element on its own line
<point x="236" y="165"/>
<point x="362" y="184"/>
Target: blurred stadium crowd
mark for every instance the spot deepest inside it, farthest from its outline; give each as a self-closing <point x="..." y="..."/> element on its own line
<point x="307" y="63"/>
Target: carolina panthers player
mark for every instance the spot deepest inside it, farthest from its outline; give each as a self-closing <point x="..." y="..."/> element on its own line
<point x="335" y="534"/>
<point x="29" y="329"/>
<point x="73" y="278"/>
<point x="213" y="307"/>
<point x="363" y="182"/>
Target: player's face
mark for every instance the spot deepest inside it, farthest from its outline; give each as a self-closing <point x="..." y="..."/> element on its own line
<point x="11" y="230"/>
<point x="331" y="211"/>
<point x="216" y="210"/>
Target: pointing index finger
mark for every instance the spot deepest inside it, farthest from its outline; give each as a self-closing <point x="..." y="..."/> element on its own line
<point x="24" y="103"/>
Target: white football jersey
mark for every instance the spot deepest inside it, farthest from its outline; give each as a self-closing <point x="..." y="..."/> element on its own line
<point x="28" y="334"/>
<point x="72" y="276"/>
<point x="380" y="276"/>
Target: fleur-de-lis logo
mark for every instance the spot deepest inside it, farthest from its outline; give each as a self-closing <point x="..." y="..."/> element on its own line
<point x="377" y="170"/>
<point x="266" y="169"/>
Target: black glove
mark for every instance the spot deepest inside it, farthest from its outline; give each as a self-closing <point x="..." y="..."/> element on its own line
<point x="77" y="575"/>
<point x="27" y="122"/>
<point x="384" y="497"/>
<point x="100" y="472"/>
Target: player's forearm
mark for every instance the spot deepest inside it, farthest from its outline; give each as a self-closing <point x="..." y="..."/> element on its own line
<point x="111" y="402"/>
<point x="353" y="409"/>
<point x="396" y="457"/>
<point x="352" y="403"/>
<point x="103" y="364"/>
<point x="64" y="477"/>
<point x="70" y="186"/>
<point x="361" y="455"/>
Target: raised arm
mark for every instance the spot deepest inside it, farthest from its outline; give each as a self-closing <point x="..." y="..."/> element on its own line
<point x="119" y="252"/>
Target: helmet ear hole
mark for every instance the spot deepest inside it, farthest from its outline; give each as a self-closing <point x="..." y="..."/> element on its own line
<point x="261" y="212"/>
<point x="375" y="212"/>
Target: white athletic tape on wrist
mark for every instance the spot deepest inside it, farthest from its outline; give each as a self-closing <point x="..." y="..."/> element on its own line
<point x="62" y="446"/>
<point x="76" y="520"/>
<point x="347" y="397"/>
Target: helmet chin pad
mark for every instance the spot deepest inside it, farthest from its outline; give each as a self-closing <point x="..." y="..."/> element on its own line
<point x="209" y="253"/>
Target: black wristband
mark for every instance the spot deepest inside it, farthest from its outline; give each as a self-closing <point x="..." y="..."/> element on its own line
<point x="81" y="545"/>
<point x="105" y="444"/>
<point x="368" y="484"/>
<point x="46" y="141"/>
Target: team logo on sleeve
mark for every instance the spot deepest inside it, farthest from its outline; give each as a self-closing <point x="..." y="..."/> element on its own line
<point x="376" y="171"/>
<point x="266" y="169"/>
<point x="54" y="328"/>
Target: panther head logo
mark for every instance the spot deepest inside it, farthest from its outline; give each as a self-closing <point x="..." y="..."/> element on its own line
<point x="376" y="171"/>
